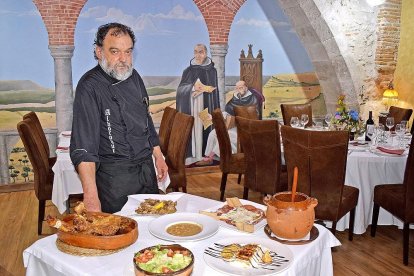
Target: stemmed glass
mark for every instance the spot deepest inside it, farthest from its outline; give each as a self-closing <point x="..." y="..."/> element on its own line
<point x="400" y="130"/>
<point x="304" y="119"/>
<point x="328" y="118"/>
<point x="404" y="124"/>
<point x="294" y="122"/>
<point x="390" y="123"/>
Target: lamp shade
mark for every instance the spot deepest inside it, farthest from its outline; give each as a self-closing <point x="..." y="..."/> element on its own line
<point x="390" y="94"/>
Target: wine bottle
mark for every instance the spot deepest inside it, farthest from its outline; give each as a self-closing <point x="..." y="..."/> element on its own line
<point x="369" y="127"/>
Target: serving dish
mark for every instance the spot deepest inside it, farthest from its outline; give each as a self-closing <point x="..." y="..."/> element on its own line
<point x="163" y="257"/>
<point x="123" y="237"/>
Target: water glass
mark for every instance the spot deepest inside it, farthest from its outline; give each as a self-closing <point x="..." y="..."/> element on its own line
<point x="328" y="118"/>
<point x="304" y="119"/>
<point x="294" y="122"/>
<point x="400" y="130"/>
<point x="404" y="124"/>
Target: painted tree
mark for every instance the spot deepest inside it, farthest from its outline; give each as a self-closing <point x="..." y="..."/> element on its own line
<point x="26" y="176"/>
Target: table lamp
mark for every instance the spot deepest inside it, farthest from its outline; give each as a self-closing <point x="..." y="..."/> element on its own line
<point x="390" y="96"/>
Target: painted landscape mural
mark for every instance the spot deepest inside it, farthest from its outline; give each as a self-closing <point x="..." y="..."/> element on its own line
<point x="166" y="31"/>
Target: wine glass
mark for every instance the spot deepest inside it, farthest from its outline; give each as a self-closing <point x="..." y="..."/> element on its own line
<point x="389" y="123"/>
<point x="294" y="121"/>
<point x="404" y="124"/>
<point x="304" y="119"/>
<point x="328" y="118"/>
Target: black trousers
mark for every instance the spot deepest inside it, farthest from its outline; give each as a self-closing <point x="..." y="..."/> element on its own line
<point x="115" y="181"/>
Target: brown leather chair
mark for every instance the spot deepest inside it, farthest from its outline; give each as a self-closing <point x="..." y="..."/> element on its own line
<point x="321" y="160"/>
<point x="247" y="111"/>
<point x="38" y="127"/>
<point x="229" y="162"/>
<point x="175" y="158"/>
<point x="261" y="144"/>
<point x="398" y="199"/>
<point x="296" y="110"/>
<point x="399" y="115"/>
<point x="165" y="128"/>
<point x="43" y="174"/>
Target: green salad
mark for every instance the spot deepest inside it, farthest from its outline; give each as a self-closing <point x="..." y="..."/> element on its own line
<point x="158" y="260"/>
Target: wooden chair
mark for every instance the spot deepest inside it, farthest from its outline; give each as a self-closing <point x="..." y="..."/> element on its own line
<point x="229" y="162"/>
<point x="296" y="110"/>
<point x="38" y="127"/>
<point x="261" y="145"/>
<point x="399" y="114"/>
<point x="398" y="199"/>
<point x="43" y="174"/>
<point x="167" y="121"/>
<point x="175" y="158"/>
<point x="321" y="160"/>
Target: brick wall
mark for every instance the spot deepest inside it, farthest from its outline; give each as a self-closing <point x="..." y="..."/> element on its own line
<point x="388" y="37"/>
<point x="60" y="17"/>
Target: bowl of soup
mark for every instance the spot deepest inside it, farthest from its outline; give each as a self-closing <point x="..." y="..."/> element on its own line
<point x="166" y="260"/>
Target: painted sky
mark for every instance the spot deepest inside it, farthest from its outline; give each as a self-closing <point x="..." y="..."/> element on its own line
<point x="166" y="32"/>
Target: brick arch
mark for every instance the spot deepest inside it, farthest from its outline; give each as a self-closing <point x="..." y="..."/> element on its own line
<point x="60" y="17"/>
<point x="219" y="15"/>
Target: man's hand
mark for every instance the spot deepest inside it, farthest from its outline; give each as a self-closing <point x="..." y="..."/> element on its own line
<point x="162" y="168"/>
<point x="92" y="203"/>
<point x="86" y="171"/>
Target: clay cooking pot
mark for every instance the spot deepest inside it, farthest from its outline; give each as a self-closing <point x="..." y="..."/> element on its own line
<point x="287" y="219"/>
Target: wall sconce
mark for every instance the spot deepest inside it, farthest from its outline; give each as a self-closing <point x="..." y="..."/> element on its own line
<point x="390" y="96"/>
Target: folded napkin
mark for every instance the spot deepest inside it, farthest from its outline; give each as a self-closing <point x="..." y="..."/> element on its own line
<point x="62" y="148"/>
<point x="391" y="151"/>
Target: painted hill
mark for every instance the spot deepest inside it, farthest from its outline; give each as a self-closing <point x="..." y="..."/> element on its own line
<point x="13" y="85"/>
<point x="293" y="80"/>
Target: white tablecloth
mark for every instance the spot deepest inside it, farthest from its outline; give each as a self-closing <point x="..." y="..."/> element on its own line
<point x="365" y="170"/>
<point x="43" y="257"/>
<point x="66" y="180"/>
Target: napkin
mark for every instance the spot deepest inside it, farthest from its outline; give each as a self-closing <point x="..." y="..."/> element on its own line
<point x="62" y="148"/>
<point x="391" y="151"/>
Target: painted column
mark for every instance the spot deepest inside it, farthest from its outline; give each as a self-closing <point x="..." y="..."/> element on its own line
<point x="4" y="161"/>
<point x="218" y="55"/>
<point x="62" y="55"/>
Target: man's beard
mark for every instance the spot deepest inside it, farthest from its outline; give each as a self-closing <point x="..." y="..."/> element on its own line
<point x="110" y="70"/>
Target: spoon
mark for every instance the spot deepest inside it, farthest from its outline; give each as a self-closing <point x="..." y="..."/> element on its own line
<point x="295" y="183"/>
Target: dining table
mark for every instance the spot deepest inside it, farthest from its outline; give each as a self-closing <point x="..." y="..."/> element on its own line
<point x="365" y="169"/>
<point x="311" y="258"/>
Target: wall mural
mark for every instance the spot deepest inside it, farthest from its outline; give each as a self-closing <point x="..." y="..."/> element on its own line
<point x="166" y="31"/>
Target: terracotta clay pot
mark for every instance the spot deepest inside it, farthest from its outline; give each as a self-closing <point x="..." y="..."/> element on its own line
<point x="287" y="219"/>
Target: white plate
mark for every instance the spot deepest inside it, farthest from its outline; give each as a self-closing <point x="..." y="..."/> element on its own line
<point x="134" y="201"/>
<point x="230" y="268"/>
<point x="257" y="226"/>
<point x="378" y="152"/>
<point x="158" y="226"/>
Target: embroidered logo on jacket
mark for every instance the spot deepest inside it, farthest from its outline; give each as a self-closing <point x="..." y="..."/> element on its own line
<point x="108" y="124"/>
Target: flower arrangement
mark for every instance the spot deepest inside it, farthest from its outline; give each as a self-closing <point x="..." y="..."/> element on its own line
<point x="346" y="119"/>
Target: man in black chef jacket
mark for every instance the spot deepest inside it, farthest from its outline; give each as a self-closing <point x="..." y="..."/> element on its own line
<point x="113" y="136"/>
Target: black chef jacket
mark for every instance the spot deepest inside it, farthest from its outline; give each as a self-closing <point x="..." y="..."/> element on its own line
<point x="110" y="119"/>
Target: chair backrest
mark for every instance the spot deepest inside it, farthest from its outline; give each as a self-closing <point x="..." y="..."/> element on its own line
<point x="296" y="110"/>
<point x="399" y="115"/>
<point x="261" y="145"/>
<point x="179" y="138"/>
<point x="38" y="127"/>
<point x="321" y="160"/>
<point x="247" y="111"/>
<point x="38" y="158"/>
<point x="222" y="138"/>
<point x="409" y="184"/>
<point x="165" y="128"/>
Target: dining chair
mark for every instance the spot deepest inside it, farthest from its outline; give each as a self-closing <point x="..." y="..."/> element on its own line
<point x="38" y="127"/>
<point x="321" y="158"/>
<point x="43" y="174"/>
<point x="399" y="114"/>
<point x="398" y="199"/>
<point x="230" y="163"/>
<point x="261" y="145"/>
<point x="175" y="158"/>
<point x="296" y="110"/>
<point x="164" y="133"/>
